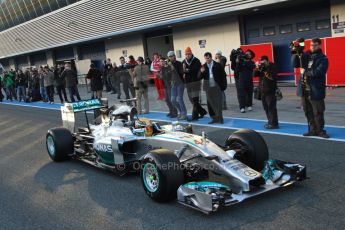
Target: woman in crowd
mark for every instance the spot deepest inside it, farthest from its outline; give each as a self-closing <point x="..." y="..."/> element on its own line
<point x="95" y="75"/>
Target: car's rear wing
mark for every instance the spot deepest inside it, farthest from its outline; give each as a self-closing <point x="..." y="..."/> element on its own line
<point x="69" y="109"/>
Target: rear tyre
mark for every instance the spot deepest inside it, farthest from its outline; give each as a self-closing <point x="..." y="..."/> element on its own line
<point x="254" y="151"/>
<point x="59" y="143"/>
<point x="161" y="175"/>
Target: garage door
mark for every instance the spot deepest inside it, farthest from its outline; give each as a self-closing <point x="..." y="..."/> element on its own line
<point x="38" y="59"/>
<point x="283" y="26"/>
<point x="22" y="62"/>
<point x="93" y="51"/>
<point x="64" y="53"/>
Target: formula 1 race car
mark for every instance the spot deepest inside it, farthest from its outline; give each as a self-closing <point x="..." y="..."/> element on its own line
<point x="173" y="162"/>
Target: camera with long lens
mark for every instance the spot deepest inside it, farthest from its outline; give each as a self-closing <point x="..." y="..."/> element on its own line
<point x="237" y="54"/>
<point x="297" y="46"/>
<point x="262" y="67"/>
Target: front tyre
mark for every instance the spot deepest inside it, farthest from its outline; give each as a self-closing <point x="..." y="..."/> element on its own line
<point x="161" y="175"/>
<point x="253" y="148"/>
<point x="59" y="143"/>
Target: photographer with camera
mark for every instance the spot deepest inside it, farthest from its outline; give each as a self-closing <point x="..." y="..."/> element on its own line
<point x="267" y="73"/>
<point x="244" y="82"/>
<point x="313" y="81"/>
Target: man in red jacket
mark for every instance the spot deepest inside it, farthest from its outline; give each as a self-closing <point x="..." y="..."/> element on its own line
<point x="155" y="68"/>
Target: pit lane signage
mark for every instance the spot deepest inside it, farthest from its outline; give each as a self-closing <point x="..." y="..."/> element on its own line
<point x="338" y="27"/>
<point x="86" y="105"/>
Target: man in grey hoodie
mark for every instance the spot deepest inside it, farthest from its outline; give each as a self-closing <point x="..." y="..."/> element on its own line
<point x="48" y="77"/>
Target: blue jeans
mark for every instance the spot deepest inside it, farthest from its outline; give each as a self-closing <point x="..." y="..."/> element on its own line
<point x="9" y="92"/>
<point x="21" y="92"/>
<point x="172" y="109"/>
<point x="73" y="91"/>
<point x="177" y="92"/>
<point x="43" y="93"/>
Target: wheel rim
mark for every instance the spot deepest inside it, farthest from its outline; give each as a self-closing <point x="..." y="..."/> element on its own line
<point x="151" y="177"/>
<point x="51" y="146"/>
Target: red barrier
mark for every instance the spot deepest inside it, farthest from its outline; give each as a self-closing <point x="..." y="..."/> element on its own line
<point x="335" y="51"/>
<point x="260" y="50"/>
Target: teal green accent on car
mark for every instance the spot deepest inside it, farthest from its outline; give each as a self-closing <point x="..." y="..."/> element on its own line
<point x="203" y="185"/>
<point x="51" y="145"/>
<point x="86" y="105"/>
<point x="106" y="157"/>
<point x="151" y="179"/>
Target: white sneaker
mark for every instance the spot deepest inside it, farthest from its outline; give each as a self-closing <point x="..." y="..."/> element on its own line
<point x="243" y="110"/>
<point x="250" y="108"/>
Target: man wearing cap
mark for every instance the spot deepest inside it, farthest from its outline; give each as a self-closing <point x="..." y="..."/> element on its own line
<point x="191" y="69"/>
<point x="245" y="67"/>
<point x="221" y="60"/>
<point x="177" y="86"/>
<point x="214" y="84"/>
<point x="140" y="74"/>
<point x="155" y="68"/>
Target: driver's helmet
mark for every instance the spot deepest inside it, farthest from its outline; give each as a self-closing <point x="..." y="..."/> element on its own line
<point x="139" y="124"/>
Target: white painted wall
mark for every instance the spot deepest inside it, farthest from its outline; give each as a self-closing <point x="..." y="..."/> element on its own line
<point x="223" y="35"/>
<point x="338" y="8"/>
<point x="133" y="44"/>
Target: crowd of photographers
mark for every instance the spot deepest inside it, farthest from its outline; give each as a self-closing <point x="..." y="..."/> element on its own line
<point x="172" y="78"/>
<point x="40" y="84"/>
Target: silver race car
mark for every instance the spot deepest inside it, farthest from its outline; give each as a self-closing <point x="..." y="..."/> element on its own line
<point x="172" y="161"/>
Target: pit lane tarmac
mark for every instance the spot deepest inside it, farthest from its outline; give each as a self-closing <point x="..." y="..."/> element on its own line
<point x="36" y="193"/>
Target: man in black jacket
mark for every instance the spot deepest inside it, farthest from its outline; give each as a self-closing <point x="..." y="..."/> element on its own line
<point x="59" y="82"/>
<point x="214" y="84"/>
<point x="244" y="83"/>
<point x="22" y="83"/>
<point x="125" y="78"/>
<point x="222" y="60"/>
<point x="315" y="65"/>
<point x="191" y="69"/>
<point x="268" y="86"/>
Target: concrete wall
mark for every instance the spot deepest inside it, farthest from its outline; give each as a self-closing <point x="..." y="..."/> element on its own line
<point x="133" y="44"/>
<point x="223" y="35"/>
<point x="338" y="9"/>
<point x="50" y="58"/>
<point x="161" y="45"/>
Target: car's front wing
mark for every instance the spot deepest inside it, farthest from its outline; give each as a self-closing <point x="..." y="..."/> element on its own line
<point x="208" y="197"/>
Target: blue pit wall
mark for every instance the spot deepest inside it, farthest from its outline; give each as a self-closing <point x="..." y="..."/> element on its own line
<point x="337" y="133"/>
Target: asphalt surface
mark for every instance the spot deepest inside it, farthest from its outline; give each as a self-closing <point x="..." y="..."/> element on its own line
<point x="36" y="193"/>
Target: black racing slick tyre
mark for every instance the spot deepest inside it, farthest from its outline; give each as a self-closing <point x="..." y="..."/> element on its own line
<point x="161" y="175"/>
<point x="253" y="148"/>
<point x="59" y="143"/>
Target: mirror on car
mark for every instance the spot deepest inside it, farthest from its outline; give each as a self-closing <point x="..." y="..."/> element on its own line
<point x="212" y="157"/>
